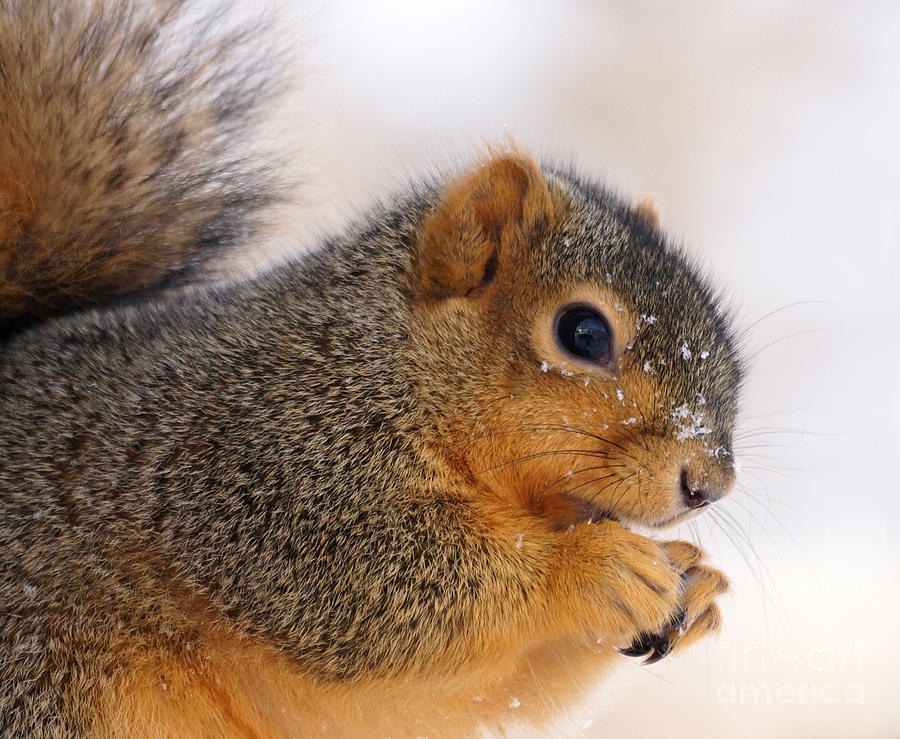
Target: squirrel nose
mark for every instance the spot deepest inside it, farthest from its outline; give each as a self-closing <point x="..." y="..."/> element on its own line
<point x="700" y="487"/>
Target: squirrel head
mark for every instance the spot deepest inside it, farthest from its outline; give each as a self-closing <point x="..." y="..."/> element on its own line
<point x="570" y="361"/>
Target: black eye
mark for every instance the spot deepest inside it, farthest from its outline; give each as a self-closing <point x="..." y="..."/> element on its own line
<point x="584" y="334"/>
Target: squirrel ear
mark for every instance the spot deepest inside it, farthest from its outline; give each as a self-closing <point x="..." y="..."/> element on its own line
<point x="479" y="225"/>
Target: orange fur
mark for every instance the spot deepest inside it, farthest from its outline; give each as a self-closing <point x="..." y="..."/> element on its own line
<point x="227" y="686"/>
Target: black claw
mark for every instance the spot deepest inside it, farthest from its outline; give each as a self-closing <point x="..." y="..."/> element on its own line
<point x="632" y="651"/>
<point x="642" y="644"/>
<point x="660" y="651"/>
<point x="654" y="646"/>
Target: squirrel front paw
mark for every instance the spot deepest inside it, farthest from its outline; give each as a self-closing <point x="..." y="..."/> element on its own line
<point x="639" y="588"/>
<point x="697" y="615"/>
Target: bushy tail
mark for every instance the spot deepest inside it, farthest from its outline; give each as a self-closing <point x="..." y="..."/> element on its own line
<point x="124" y="162"/>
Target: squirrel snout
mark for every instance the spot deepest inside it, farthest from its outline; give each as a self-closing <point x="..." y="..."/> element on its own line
<point x="702" y="484"/>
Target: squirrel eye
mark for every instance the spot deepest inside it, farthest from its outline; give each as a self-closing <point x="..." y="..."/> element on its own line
<point x="584" y="333"/>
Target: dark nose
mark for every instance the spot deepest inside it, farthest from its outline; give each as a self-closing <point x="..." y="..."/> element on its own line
<point x="699" y="488"/>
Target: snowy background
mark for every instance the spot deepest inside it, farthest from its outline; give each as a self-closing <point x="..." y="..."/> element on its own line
<point x="767" y="135"/>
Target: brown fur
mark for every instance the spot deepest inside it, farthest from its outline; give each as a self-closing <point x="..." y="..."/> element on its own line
<point x="112" y="182"/>
<point x="363" y="494"/>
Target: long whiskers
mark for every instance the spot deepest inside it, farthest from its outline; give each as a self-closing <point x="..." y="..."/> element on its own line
<point x="573" y="473"/>
<point x="547" y="453"/>
<point x="765" y="581"/>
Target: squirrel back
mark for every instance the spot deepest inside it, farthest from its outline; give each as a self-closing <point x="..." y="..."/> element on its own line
<point x="124" y="150"/>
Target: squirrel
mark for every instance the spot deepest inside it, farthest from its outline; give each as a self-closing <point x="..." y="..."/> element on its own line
<point x="388" y="487"/>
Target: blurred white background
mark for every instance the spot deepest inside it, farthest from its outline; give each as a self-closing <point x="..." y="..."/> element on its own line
<point x="767" y="135"/>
